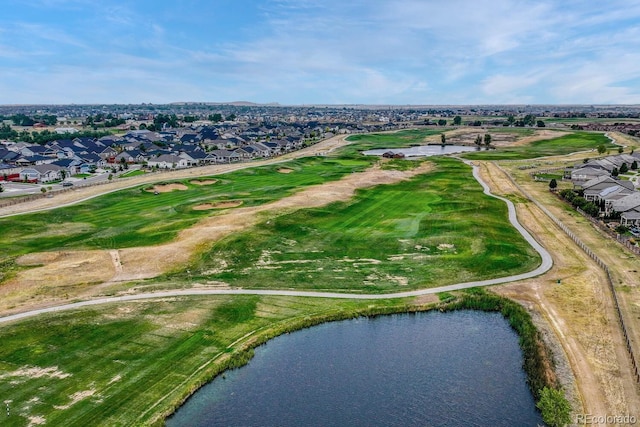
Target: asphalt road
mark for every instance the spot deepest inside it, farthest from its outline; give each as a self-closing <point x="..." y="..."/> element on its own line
<point x="545" y="266"/>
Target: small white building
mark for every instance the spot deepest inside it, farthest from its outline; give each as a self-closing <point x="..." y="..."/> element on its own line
<point x="66" y="130"/>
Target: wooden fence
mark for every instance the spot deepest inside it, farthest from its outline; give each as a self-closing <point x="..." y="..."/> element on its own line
<point x="597" y="260"/>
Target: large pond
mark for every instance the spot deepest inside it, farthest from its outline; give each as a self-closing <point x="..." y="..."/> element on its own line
<point x="461" y="368"/>
<point x="424" y="150"/>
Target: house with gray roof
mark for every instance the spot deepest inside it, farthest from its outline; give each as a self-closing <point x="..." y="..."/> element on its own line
<point x="629" y="209"/>
<point x="41" y="173"/>
<point x="586" y="173"/>
<point x="168" y="161"/>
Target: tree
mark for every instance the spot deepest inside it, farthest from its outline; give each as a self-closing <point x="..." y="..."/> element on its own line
<point x="634" y="165"/>
<point x="511" y="120"/>
<point x="478" y="141"/>
<point x="215" y="118"/>
<point x="1" y="189"/>
<point x="540" y="124"/>
<point x="553" y="184"/>
<point x="442" y="122"/>
<point x="231" y="117"/>
<point x="443" y="138"/>
<point x="601" y="149"/>
<point x="457" y="121"/>
<point x="624" y="168"/>
<point x="555" y="408"/>
<point x="529" y="120"/>
<point x="620" y="150"/>
<point x="615" y="172"/>
<point x="487" y="139"/>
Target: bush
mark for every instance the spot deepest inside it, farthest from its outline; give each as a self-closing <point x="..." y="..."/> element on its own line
<point x="556" y="410"/>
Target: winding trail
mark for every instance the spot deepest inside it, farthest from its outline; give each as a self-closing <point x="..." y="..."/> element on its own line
<point x="545" y="266"/>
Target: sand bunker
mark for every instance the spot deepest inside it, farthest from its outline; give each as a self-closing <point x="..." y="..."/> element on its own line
<point x="218" y="205"/>
<point x="165" y="188"/>
<point x="285" y="170"/>
<point x="203" y="181"/>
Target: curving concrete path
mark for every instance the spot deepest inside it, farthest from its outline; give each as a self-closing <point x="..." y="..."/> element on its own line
<point x="545" y="266"/>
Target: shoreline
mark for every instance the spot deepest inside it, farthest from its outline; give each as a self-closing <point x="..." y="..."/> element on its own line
<point x="536" y="358"/>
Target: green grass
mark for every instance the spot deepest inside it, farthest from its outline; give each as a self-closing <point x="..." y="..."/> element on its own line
<point x="577" y="141"/>
<point x="401" y="139"/>
<point x="132" y="173"/>
<point x="143" y="358"/>
<point x="140" y="354"/>
<point x="135" y="217"/>
<point x="436" y="229"/>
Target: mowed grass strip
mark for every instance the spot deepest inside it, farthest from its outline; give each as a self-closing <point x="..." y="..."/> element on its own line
<point x="436" y="229"/>
<point x="137" y="217"/>
<point x="571" y="143"/>
<point x="107" y="366"/>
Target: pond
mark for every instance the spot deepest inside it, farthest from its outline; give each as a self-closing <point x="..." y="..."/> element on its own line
<point x="424" y="150"/>
<point x="424" y="369"/>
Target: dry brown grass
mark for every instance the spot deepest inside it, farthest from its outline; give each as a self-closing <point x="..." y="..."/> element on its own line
<point x="166" y="188"/>
<point x="579" y="309"/>
<point x="203" y="181"/>
<point x="218" y="205"/>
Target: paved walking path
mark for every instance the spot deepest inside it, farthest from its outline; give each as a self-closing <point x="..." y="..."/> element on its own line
<point x="545" y="266"/>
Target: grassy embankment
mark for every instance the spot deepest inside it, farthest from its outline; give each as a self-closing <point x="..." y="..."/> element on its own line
<point x="101" y="366"/>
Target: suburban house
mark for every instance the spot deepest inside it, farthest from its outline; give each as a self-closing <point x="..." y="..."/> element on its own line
<point x="168" y="161"/>
<point x="587" y="173"/>
<point x="41" y="173"/>
<point x="593" y="188"/>
<point x="629" y="209"/>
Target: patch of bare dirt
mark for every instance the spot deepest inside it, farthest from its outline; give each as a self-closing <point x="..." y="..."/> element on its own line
<point x="31" y="372"/>
<point x="467" y="136"/>
<point x="166" y="188"/>
<point x="77" y="397"/>
<point x="203" y="181"/>
<point x="285" y="170"/>
<point x="218" y="205"/>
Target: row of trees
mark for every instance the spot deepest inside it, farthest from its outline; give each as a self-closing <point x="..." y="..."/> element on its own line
<point x="24" y="120"/>
<point x="577" y="201"/>
<point x="528" y="120"/>
<point x="479" y="140"/>
<point x="47" y="136"/>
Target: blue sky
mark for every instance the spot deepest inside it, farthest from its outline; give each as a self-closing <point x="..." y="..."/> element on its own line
<point x="314" y="52"/>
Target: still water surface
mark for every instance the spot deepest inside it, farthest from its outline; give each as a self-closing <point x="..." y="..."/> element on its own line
<point x="461" y="368"/>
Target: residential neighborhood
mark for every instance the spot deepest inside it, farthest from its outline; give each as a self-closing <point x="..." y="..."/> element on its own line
<point x="611" y="183"/>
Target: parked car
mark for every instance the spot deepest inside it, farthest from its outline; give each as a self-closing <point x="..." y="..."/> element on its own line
<point x="67" y="184"/>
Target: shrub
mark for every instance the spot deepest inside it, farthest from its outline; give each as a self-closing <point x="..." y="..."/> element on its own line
<point x="556" y="410"/>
